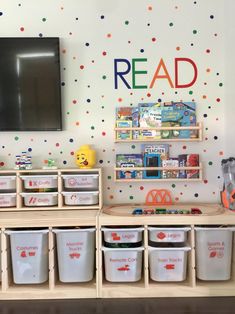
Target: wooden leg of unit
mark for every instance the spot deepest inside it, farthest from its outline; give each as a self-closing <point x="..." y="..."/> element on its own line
<point x="146" y="258"/>
<point x="191" y="259"/>
<point x="52" y="259"/>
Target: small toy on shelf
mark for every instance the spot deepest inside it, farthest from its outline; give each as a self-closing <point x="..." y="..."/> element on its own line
<point x="23" y="161"/>
<point x="49" y="164"/>
<point x="85" y="157"/>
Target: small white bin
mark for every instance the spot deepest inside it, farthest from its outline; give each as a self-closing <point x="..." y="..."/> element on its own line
<point x="7" y="183"/>
<point x="122" y="235"/>
<point x="213" y="253"/>
<point x="76" y="254"/>
<point x="81" y="181"/>
<point x="81" y="198"/>
<point x="40" y="182"/>
<point x="169" y="234"/>
<point x="29" y="253"/>
<point x="123" y="265"/>
<point x="40" y="199"/>
<point x="7" y="199"/>
<point x="168" y="264"/>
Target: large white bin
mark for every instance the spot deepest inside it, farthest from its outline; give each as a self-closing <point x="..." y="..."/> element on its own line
<point x="7" y="183"/>
<point x="169" y="234"/>
<point x="40" y="182"/>
<point x="213" y="253"/>
<point x="29" y="254"/>
<point x="123" y="265"/>
<point x="122" y="235"/>
<point x="76" y="254"/>
<point x="81" y="181"/>
<point x="168" y="264"/>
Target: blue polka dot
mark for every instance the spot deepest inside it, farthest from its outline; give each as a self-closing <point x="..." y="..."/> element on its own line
<point x="29" y="149"/>
<point x="71" y="140"/>
<point x="64" y="162"/>
<point x="141" y="50"/>
<point x="1" y="13"/>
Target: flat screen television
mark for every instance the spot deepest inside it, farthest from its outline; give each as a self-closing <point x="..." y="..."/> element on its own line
<point x="30" y="86"/>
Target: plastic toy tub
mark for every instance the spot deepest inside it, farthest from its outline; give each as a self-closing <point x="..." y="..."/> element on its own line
<point x="29" y="252"/>
<point x="38" y="182"/>
<point x="213" y="253"/>
<point x="168" y="264"/>
<point x="169" y="234"/>
<point x="8" y="200"/>
<point x="123" y="265"/>
<point x="123" y="235"/>
<point x="81" y="181"/>
<point x="40" y="199"/>
<point x="76" y="254"/>
<point x="7" y="183"/>
<point x="81" y="198"/>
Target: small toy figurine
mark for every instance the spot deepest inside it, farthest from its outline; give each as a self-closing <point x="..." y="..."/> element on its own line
<point x="85" y="157"/>
<point x="49" y="164"/>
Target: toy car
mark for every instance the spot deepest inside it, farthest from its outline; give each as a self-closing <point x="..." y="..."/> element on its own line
<point x="196" y="211"/>
<point x="149" y="212"/>
<point x="160" y="211"/>
<point x="137" y="211"/>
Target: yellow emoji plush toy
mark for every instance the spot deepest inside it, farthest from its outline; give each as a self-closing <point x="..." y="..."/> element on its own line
<point x="85" y="157"/>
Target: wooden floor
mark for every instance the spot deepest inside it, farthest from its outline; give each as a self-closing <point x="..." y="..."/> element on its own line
<point x="223" y="305"/>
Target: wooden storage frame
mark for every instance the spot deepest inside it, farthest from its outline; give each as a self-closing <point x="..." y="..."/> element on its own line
<point x="148" y="288"/>
<point x="59" y="172"/>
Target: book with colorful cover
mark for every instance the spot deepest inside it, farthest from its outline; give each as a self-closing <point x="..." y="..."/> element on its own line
<point x="192" y="161"/>
<point x="161" y="149"/>
<point x="169" y="174"/>
<point x="125" y="134"/>
<point x="189" y="106"/>
<point x="135" y="123"/>
<point x="151" y="160"/>
<point x="175" y="117"/>
<point x="129" y="160"/>
<point x="150" y="117"/>
<point x="182" y="163"/>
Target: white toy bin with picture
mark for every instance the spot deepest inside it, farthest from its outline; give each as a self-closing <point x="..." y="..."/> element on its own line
<point x="214" y="252"/>
<point x="39" y="183"/>
<point x="168" y="263"/>
<point x="7" y="183"/>
<point x="168" y="234"/>
<point x="7" y="200"/>
<point x="29" y="254"/>
<point x="123" y="265"/>
<point x="76" y="254"/>
<point x="81" y="181"/>
<point x="81" y="198"/>
<point x="40" y="199"/>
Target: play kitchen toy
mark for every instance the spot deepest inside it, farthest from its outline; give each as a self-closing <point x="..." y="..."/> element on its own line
<point x="81" y="181"/>
<point x="85" y="157"/>
<point x="122" y="237"/>
<point x="7" y="183"/>
<point x="168" y="263"/>
<point x="29" y="254"/>
<point x="76" y="253"/>
<point x="40" y="183"/>
<point x="40" y="199"/>
<point x="214" y="252"/>
<point x="81" y="198"/>
<point x="168" y="234"/>
<point x="123" y="265"/>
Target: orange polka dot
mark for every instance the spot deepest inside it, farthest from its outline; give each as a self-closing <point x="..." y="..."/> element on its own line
<point x="204" y="96"/>
<point x="208" y="70"/>
<point x="109" y="35"/>
<point x="111" y="197"/>
<point x="77" y="123"/>
<point x="120" y="99"/>
<point x="150" y="8"/>
<point x="221" y="153"/>
<point x="177" y="48"/>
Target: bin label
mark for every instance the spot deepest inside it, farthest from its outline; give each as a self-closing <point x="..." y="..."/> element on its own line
<point x="74" y="255"/>
<point x="124" y="236"/>
<point x="169" y="235"/>
<point x="169" y="266"/>
<point x="216" y="249"/>
<point x="124" y="268"/>
<point x="47" y="182"/>
<point x="27" y="251"/>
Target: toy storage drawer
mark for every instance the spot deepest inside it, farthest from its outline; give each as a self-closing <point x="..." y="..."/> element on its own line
<point x="36" y="183"/>
<point x="40" y="199"/>
<point x="174" y="234"/>
<point x="122" y="235"/>
<point x="7" y="183"/>
<point x="81" y="181"/>
<point x="8" y="200"/>
<point x="81" y="198"/>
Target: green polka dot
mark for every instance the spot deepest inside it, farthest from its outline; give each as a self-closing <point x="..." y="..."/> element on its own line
<point x="44" y="19"/>
<point x="171" y="24"/>
<point x="131" y="197"/>
<point x="220" y="84"/>
<point x="190" y="92"/>
<point x="68" y="112"/>
<point x="126" y="22"/>
<point x="210" y="163"/>
<point x="194" y="31"/>
<point x="104" y="77"/>
<point x="92" y="127"/>
<point x="173" y="185"/>
<point x="102" y="107"/>
<point x="109" y="177"/>
<point x="130" y="186"/>
<point x="206" y="129"/>
<point x="16" y="138"/>
<point x="133" y="146"/>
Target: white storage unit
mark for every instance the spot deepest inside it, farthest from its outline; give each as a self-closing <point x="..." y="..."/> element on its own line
<point x="168" y="234"/>
<point x="34" y="182"/>
<point x="76" y="254"/>
<point x="7" y="183"/>
<point x="7" y="199"/>
<point x="123" y="235"/>
<point x="81" y="181"/>
<point x="81" y="198"/>
<point x="213" y="253"/>
<point x="29" y="253"/>
<point x="40" y="199"/>
<point x="123" y="265"/>
<point x="168" y="263"/>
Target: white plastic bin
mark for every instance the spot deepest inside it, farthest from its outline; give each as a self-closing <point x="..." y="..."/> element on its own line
<point x="7" y="183"/>
<point x="123" y="265"/>
<point x="168" y="263"/>
<point x="169" y="234"/>
<point x="81" y="198"/>
<point x="7" y="199"/>
<point x="29" y="253"/>
<point x="81" y="181"/>
<point x="40" y="199"/>
<point x="76" y="254"/>
<point x="40" y="182"/>
<point x="214" y="253"/>
<point x="122" y="235"/>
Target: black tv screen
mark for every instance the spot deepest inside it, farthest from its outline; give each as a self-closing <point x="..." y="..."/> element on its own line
<point x="30" y="95"/>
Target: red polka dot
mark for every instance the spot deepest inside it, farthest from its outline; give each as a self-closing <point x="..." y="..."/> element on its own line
<point x="181" y="193"/>
<point x="150" y="8"/>
<point x="57" y="144"/>
<point x="22" y="29"/>
<point x="109" y="35"/>
<point x="206" y="138"/>
<point x="218" y="99"/>
<point x="153" y="39"/>
<point x="103" y="133"/>
<point x="77" y="123"/>
<point x="141" y="188"/>
<point x="176" y="199"/>
<point x="184" y="147"/>
<point x="71" y="153"/>
<point x="205" y="181"/>
<point x="208" y="51"/>
<point x="221" y="153"/>
<point x="120" y="99"/>
<point x="148" y="95"/>
<point x="204" y="150"/>
<point x="104" y="53"/>
<point x="74" y="101"/>
<point x="1" y="163"/>
<point x="81" y="67"/>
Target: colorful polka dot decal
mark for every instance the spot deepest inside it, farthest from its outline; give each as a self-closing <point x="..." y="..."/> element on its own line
<point x="91" y="37"/>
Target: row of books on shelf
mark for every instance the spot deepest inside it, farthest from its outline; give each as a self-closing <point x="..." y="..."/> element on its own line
<point x="156" y="156"/>
<point x="154" y="115"/>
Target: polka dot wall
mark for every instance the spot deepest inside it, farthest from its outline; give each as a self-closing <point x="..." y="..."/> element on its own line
<point x="94" y="33"/>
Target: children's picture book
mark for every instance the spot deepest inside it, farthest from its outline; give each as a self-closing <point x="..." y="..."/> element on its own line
<point x="169" y="174"/>
<point x="192" y="161"/>
<point x="124" y="134"/>
<point x="151" y="160"/>
<point x="129" y="160"/>
<point x="150" y="117"/>
<point x="135" y="123"/>
<point x="182" y="163"/>
<point x="191" y="108"/>
<point x="161" y="149"/>
<point x="175" y="118"/>
<point x="124" y="113"/>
